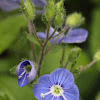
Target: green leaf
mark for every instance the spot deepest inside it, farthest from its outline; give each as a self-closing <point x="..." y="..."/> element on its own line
<point x="9" y="28"/>
<point x="94" y="40"/>
<point x="32" y="39"/>
<point x="98" y="96"/>
<point x="9" y="85"/>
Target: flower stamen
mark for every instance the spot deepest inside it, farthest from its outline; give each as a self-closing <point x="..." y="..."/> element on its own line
<point x="21" y="74"/>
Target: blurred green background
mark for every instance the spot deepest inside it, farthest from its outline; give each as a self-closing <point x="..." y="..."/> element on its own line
<point x="14" y="46"/>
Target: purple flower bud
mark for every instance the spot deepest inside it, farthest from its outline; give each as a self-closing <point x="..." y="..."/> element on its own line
<point x="26" y="72"/>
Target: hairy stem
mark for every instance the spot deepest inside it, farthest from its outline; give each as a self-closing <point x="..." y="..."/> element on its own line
<point x="64" y="30"/>
<point x="42" y="51"/>
<point x="32" y="44"/>
<point x="88" y="66"/>
<point x="35" y="33"/>
<point x="66" y="64"/>
<point x="62" y="58"/>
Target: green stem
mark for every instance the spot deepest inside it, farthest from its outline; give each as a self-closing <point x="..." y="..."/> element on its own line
<point x="88" y="66"/>
<point x="32" y="44"/>
<point x="35" y="33"/>
<point x="62" y="58"/>
<point x="42" y="51"/>
<point x="64" y="30"/>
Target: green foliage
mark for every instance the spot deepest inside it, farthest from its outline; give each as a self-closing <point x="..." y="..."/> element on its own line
<point x="97" y="56"/>
<point x="9" y="86"/>
<point x="75" y="19"/>
<point x="98" y="96"/>
<point x="9" y="29"/>
<point x="32" y="39"/>
<point x="74" y="54"/>
<point x="13" y="70"/>
<point x="52" y="59"/>
<point x="4" y="96"/>
<point x="28" y="9"/>
<point x="94" y="40"/>
<point x="59" y="16"/>
<point x="50" y="10"/>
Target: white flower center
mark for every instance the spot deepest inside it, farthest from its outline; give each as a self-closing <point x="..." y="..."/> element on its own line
<point x="56" y="91"/>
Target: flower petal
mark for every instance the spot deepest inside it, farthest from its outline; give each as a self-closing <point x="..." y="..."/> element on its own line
<point x="39" y="3"/>
<point x="78" y="35"/>
<point x="72" y="93"/>
<point x="9" y="5"/>
<point x="62" y="77"/>
<point x="41" y="35"/>
<point x="25" y="77"/>
<point x="23" y="80"/>
<point x="43" y="86"/>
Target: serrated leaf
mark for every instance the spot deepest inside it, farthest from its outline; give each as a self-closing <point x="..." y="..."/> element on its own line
<point x="9" y="28"/>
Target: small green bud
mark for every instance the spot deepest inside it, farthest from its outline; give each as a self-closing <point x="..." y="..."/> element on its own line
<point x="75" y="19"/>
<point x="74" y="54"/>
<point x="97" y="56"/>
<point x="50" y="10"/>
<point x="59" y="13"/>
<point x="58" y="18"/>
<point x="28" y="9"/>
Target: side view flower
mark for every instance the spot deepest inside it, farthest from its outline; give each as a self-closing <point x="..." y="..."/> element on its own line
<point x="76" y="35"/>
<point x="26" y="72"/>
<point x="59" y="85"/>
<point x="9" y="5"/>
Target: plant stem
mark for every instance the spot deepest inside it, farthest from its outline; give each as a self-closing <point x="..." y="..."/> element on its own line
<point x="35" y="33"/>
<point x="88" y="66"/>
<point x="41" y="59"/>
<point x="32" y="44"/>
<point x="62" y="58"/>
<point x="53" y="33"/>
<point x="66" y="64"/>
<point x="64" y="30"/>
<point x="42" y="51"/>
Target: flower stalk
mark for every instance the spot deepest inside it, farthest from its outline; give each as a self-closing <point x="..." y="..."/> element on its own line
<point x="64" y="30"/>
<point x="32" y="44"/>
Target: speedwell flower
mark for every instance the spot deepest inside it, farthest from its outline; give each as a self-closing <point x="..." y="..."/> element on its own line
<point x="77" y="35"/>
<point x="9" y="5"/>
<point x="59" y="85"/>
<point x="26" y="72"/>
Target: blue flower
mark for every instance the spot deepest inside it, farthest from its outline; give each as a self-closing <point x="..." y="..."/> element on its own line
<point x="26" y="72"/>
<point x="9" y="5"/>
<point x="59" y="85"/>
<point x="77" y="35"/>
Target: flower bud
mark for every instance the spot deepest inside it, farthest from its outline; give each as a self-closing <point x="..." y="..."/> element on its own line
<point x="97" y="56"/>
<point x="59" y="13"/>
<point x="74" y="54"/>
<point x="28" y="9"/>
<point x="75" y="19"/>
<point x="50" y="10"/>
